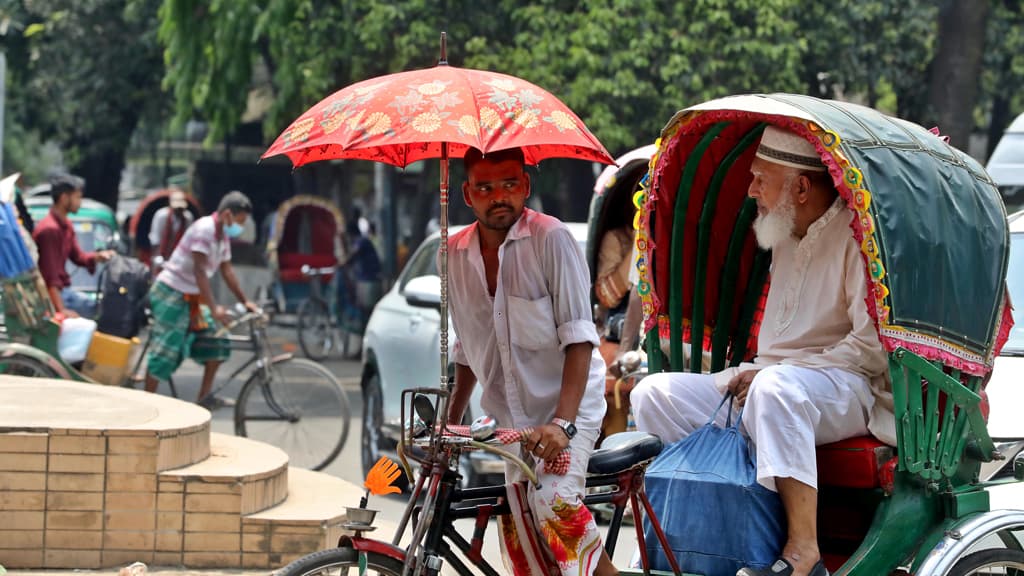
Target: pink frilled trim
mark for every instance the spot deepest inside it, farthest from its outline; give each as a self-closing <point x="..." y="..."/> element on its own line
<point x="849" y="183"/>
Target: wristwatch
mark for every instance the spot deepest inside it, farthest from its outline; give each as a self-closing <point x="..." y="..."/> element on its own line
<point x="568" y="427"/>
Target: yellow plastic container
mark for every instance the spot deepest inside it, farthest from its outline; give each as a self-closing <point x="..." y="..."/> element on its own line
<point x="109" y="358"/>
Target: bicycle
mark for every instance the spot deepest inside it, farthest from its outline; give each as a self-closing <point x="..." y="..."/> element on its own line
<point x="287" y="402"/>
<point x="325" y="323"/>
<point x="618" y="467"/>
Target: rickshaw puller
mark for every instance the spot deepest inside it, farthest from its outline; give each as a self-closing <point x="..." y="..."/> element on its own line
<point x="520" y="303"/>
<point x="182" y="300"/>
<point x="820" y="375"/>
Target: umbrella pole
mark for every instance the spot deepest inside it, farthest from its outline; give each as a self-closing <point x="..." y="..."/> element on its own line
<point x="444" y="273"/>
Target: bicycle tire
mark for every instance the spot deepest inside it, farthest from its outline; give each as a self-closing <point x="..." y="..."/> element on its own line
<point x="340" y="561"/>
<point x="1007" y="560"/>
<point x="316" y="330"/>
<point x="301" y="402"/>
<point x="26" y="366"/>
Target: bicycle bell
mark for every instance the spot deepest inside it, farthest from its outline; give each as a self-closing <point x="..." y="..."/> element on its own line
<point x="483" y="428"/>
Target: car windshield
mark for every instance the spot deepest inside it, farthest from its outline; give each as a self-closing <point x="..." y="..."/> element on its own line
<point x="92" y="236"/>
<point x="1015" y="284"/>
<point x="1009" y="151"/>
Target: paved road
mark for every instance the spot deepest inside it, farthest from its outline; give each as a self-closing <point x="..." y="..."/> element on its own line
<point x="348" y="465"/>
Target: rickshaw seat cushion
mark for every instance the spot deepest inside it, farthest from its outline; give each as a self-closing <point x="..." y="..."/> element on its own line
<point x="291" y="263"/>
<point x="619" y="452"/>
<point x="853" y="463"/>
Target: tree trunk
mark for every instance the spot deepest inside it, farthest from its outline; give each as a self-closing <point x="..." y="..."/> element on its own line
<point x="102" y="173"/>
<point x="956" y="68"/>
<point x="999" y="120"/>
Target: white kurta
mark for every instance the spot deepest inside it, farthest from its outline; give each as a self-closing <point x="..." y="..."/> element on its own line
<point x="823" y="370"/>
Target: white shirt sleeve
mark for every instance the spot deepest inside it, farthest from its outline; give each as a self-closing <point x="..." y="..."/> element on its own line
<point x="569" y="285"/>
<point x="156" y="229"/>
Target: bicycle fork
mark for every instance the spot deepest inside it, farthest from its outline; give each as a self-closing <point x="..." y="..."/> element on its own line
<point x="424" y="558"/>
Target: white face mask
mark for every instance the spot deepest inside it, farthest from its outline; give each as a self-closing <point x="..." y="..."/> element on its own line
<point x="777" y="224"/>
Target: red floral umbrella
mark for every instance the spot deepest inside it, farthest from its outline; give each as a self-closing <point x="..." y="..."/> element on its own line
<point x="404" y="117"/>
<point x="438" y="113"/>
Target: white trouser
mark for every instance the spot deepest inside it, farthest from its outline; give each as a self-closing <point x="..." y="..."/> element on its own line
<point x="789" y="410"/>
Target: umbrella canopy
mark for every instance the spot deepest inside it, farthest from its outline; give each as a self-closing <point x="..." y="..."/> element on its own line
<point x="405" y="117"/>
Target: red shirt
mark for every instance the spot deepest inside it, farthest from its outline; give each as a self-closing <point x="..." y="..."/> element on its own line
<point x="56" y="241"/>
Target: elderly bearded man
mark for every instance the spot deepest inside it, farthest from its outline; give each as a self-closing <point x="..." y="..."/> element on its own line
<point x="819" y="364"/>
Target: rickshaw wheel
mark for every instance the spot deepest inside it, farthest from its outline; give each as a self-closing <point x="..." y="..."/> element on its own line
<point x="19" y="365"/>
<point x="990" y="562"/>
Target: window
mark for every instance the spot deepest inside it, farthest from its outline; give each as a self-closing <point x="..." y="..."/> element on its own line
<point x="423" y="262"/>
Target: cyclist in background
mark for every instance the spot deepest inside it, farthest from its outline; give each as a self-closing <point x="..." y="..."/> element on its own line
<point x="182" y="301"/>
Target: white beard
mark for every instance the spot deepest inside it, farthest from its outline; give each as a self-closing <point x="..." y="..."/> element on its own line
<point x="776" y="225"/>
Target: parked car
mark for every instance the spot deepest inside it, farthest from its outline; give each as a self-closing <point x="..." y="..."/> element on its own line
<point x="401" y="350"/>
<point x="96" y="228"/>
<point x="1006" y="166"/>
<point x="1005" y="389"/>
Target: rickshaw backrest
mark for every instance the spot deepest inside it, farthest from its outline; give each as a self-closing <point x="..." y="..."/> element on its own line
<point x="714" y="268"/>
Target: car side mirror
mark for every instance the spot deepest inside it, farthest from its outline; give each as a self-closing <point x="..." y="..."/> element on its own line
<point x="424" y="292"/>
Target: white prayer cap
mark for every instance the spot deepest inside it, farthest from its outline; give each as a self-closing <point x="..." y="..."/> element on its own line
<point x="784" y="147"/>
<point x="178" y="200"/>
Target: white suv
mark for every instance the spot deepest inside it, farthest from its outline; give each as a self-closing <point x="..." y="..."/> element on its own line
<point x="401" y="349"/>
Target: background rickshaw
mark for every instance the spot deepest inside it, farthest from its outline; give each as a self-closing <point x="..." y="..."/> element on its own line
<point x="305" y="231"/>
<point x="934" y="240"/>
<point x="611" y="212"/>
<point x="142" y="220"/>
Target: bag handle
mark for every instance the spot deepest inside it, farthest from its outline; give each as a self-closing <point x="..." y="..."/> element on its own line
<point x="728" y="415"/>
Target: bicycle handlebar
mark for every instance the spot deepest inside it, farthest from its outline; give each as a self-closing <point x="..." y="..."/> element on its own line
<point x="461" y="436"/>
<point x="243" y="319"/>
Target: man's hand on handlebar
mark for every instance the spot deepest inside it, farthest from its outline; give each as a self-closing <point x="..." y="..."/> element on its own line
<point x="252" y="307"/>
<point x="220" y="314"/>
<point x="547" y="441"/>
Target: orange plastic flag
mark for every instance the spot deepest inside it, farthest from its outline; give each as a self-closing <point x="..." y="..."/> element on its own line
<point x="381" y="477"/>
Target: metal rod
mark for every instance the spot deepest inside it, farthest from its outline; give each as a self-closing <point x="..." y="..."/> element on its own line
<point x="444" y="268"/>
<point x="444" y="50"/>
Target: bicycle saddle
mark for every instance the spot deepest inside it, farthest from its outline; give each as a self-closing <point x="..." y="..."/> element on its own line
<point x="622" y="451"/>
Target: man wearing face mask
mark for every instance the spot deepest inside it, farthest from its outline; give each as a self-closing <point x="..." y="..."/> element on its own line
<point x="182" y="301"/>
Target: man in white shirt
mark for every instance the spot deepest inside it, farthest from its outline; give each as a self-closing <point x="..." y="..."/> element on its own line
<point x="820" y="365"/>
<point x="182" y="302"/>
<point x="169" y="225"/>
<point x="520" y="305"/>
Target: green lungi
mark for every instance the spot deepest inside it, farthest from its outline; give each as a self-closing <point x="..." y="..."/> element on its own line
<point x="170" y="338"/>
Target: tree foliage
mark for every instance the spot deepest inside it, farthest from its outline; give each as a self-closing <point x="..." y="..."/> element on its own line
<point x="85" y="72"/>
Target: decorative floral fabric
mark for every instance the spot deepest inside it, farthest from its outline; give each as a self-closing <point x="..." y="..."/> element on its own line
<point x="405" y="117"/>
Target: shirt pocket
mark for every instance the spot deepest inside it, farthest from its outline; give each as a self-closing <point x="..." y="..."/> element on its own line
<point x="532" y="323"/>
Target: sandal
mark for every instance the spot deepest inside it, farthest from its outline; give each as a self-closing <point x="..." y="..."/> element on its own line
<point x="782" y="567"/>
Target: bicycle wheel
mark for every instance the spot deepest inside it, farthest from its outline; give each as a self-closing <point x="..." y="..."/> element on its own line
<point x="299" y="407"/>
<point x="316" y="329"/>
<point x="20" y="365"/>
<point x="341" y="561"/>
<point x="1002" y="561"/>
